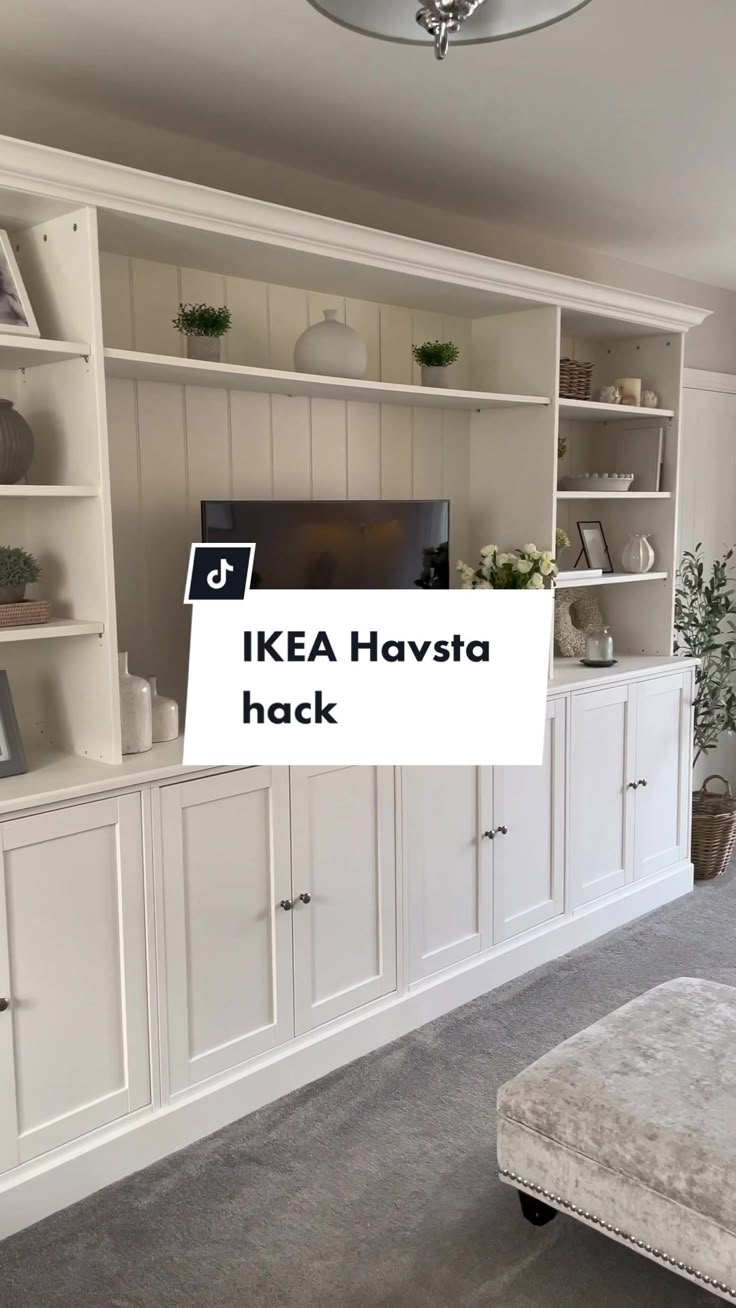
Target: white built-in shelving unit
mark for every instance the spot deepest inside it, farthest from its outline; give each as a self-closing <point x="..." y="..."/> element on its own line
<point x="131" y="435"/>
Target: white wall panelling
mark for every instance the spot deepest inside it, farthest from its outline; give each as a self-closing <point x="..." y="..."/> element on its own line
<point x="708" y="481"/>
<point x="171" y="446"/>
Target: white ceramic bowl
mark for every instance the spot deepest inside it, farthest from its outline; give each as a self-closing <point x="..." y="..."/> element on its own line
<point x="617" y="482"/>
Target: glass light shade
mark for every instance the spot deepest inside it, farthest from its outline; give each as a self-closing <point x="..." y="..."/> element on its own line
<point x="494" y="20"/>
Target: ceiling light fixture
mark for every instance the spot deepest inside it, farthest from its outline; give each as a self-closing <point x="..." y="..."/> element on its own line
<point x="468" y="22"/>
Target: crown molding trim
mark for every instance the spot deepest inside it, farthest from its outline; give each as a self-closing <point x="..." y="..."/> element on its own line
<point x="80" y="180"/>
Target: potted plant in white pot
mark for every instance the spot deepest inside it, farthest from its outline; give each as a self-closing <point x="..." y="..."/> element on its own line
<point x="17" y="570"/>
<point x="204" y="327"/>
<point x="705" y="628"/>
<point x="434" y="359"/>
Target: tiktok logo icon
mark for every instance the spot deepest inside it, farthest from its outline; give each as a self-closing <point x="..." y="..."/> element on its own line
<point x="219" y="572"/>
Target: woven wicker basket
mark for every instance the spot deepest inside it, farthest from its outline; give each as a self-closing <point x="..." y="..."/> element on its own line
<point x="27" y="613"/>
<point x="714" y="829"/>
<point x="576" y="379"/>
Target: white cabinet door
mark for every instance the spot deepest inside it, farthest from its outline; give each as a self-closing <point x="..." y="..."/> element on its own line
<point x="73" y="969"/>
<point x="344" y="864"/>
<point x="602" y="767"/>
<point x="442" y="857"/>
<point x="224" y="844"/>
<point x="662" y="773"/>
<point x="529" y="851"/>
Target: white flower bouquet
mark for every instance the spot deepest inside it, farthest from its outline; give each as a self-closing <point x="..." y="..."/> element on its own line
<point x="525" y="569"/>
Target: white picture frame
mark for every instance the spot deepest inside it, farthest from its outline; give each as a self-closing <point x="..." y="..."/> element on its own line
<point x="16" y="312"/>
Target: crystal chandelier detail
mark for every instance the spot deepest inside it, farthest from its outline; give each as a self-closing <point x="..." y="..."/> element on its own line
<point x="443" y="18"/>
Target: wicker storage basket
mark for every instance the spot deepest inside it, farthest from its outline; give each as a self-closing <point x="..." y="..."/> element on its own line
<point x="26" y="613"/>
<point x="576" y="379"/>
<point x="714" y="829"/>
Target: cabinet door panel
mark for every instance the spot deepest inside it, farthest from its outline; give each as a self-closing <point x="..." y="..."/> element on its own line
<point x="225" y="863"/>
<point x="73" y="894"/>
<point x="663" y="761"/>
<point x="343" y="856"/>
<point x="441" y="834"/>
<point x="601" y="805"/>
<point x="529" y="861"/>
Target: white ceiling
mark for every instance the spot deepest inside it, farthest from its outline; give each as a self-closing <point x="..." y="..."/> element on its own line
<point x="615" y="129"/>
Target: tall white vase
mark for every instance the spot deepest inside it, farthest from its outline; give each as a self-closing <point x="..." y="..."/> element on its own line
<point x="331" y="349"/>
<point x="136" y="722"/>
<point x="638" y="555"/>
<point x="165" y="713"/>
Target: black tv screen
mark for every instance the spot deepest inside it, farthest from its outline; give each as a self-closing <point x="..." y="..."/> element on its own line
<point x="338" y="544"/>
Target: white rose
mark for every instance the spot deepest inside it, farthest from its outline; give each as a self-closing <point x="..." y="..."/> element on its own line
<point x="532" y="551"/>
<point x="545" y="567"/>
<point x="524" y="565"/>
<point x="502" y="559"/>
<point x="535" y="582"/>
<point x="489" y="551"/>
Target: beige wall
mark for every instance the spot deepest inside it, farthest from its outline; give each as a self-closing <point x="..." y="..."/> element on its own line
<point x="32" y="116"/>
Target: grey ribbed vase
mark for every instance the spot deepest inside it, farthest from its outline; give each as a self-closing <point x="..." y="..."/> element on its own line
<point x="16" y="444"/>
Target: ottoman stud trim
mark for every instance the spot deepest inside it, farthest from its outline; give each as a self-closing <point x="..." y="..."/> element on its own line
<point x="657" y="1254"/>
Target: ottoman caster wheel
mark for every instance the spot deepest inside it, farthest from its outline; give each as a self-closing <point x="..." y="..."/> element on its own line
<point x="536" y="1212"/>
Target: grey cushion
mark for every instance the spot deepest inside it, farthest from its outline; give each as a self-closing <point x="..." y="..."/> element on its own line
<point x="634" y="1120"/>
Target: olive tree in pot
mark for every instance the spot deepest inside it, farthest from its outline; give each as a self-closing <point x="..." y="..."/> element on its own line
<point x="434" y="359"/>
<point x="204" y="327"/>
<point x="17" y="570"/>
<point x="705" y="628"/>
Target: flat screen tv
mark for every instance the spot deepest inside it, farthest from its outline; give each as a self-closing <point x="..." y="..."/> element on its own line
<point x="338" y="544"/>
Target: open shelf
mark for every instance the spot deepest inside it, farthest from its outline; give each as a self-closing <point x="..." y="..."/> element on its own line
<point x="192" y="372"/>
<point x="32" y="351"/>
<point x="614" y="495"/>
<point x="51" y="630"/>
<point x="587" y="410"/>
<point x="22" y="492"/>
<point x="610" y="579"/>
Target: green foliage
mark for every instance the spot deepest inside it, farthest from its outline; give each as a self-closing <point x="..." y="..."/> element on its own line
<point x="705" y="608"/>
<point x="561" y="446"/>
<point x="436" y="354"/>
<point x="562" y="540"/>
<point x="17" y="567"/>
<point x="202" y="320"/>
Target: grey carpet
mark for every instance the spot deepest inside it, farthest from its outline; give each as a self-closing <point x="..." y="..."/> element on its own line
<point x="376" y="1187"/>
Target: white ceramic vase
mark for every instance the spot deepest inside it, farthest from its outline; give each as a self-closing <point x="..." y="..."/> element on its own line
<point x="434" y="376"/>
<point x="136" y="722"/>
<point x="331" y="349"/>
<point x="164" y="713"/>
<point x="638" y="555"/>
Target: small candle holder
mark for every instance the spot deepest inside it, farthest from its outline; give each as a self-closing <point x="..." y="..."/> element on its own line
<point x="599" y="649"/>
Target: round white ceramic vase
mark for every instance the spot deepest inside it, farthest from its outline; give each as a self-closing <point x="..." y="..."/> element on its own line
<point x="331" y="349"/>
<point x="165" y="714"/>
<point x="638" y="555"/>
<point x="136" y="722"/>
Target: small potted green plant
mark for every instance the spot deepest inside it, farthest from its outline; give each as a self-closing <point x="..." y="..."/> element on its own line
<point x="204" y="327"/>
<point x="434" y="359"/>
<point x="17" y="570"/>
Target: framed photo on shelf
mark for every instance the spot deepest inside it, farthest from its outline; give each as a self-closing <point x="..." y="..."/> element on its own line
<point x="594" y="546"/>
<point x="16" y="313"/>
<point x="12" y="754"/>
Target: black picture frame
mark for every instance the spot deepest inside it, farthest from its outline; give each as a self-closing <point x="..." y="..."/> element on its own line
<point x="598" y="557"/>
<point x="12" y="754"/>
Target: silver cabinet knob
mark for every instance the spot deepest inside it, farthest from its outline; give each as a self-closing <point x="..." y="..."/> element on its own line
<point x="287" y="905"/>
<point x="4" y="1005"/>
<point x="499" y="831"/>
<point x="306" y="898"/>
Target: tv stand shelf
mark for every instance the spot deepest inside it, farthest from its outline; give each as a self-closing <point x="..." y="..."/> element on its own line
<point x="131" y="365"/>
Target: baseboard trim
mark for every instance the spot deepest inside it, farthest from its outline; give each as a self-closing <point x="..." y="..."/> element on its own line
<point x="35" y="1190"/>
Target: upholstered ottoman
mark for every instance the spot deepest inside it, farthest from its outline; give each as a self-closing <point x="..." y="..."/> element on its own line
<point x="631" y="1128"/>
